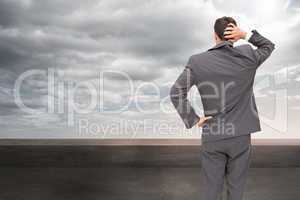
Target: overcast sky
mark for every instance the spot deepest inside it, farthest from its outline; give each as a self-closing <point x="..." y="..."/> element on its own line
<point x="150" y="41"/>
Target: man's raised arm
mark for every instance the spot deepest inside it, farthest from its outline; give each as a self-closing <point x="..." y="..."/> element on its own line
<point x="264" y="47"/>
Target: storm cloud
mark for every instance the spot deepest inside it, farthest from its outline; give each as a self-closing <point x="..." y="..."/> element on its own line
<point x="149" y="41"/>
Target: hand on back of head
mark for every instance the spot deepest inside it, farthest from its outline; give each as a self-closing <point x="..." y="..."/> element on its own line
<point x="233" y="33"/>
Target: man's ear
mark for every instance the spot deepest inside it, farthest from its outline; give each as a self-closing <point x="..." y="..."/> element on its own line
<point x="216" y="37"/>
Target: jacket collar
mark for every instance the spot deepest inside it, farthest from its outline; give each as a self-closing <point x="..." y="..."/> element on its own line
<point x="221" y="44"/>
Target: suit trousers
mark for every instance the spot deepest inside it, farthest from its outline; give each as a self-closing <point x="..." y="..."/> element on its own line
<point x="225" y="160"/>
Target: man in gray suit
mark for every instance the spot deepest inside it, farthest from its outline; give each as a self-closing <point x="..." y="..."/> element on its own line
<point x="224" y="77"/>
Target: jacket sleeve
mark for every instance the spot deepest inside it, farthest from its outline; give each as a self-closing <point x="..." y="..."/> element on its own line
<point x="264" y="47"/>
<point x="178" y="95"/>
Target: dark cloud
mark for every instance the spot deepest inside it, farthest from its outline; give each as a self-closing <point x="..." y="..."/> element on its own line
<point x="148" y="40"/>
<point x="56" y="28"/>
<point x="294" y="4"/>
<point x="8" y="17"/>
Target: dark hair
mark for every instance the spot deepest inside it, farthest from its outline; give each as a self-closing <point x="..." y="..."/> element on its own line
<point x="221" y="24"/>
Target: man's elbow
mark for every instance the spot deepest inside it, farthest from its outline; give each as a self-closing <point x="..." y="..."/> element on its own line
<point x="272" y="46"/>
<point x="173" y="93"/>
<point x="188" y="126"/>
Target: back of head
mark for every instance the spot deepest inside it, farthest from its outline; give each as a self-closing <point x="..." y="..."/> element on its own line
<point x="221" y="24"/>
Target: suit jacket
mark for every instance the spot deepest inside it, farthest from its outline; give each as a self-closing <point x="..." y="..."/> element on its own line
<point x="224" y="76"/>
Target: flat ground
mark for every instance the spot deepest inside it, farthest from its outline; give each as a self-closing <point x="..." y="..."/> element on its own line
<point x="135" y="173"/>
<point x="135" y="183"/>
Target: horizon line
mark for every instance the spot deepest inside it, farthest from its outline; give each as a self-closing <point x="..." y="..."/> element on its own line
<point x="134" y="141"/>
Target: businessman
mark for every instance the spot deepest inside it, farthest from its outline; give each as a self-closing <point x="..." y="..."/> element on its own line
<point x="224" y="77"/>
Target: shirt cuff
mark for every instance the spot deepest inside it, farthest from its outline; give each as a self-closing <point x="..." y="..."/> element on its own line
<point x="248" y="35"/>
